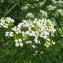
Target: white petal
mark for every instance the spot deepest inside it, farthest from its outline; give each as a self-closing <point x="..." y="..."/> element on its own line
<point x="21" y="44"/>
<point x="16" y="40"/>
<point x="20" y="40"/>
<point x="16" y="44"/>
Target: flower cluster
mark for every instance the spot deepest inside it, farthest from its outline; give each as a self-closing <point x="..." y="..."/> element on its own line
<point x="25" y="7"/>
<point x="60" y="11"/>
<point x="6" y="22"/>
<point x="2" y="1"/>
<point x="42" y="3"/>
<point x="32" y="32"/>
<point x="50" y="7"/>
<point x="44" y="13"/>
<point x="30" y="15"/>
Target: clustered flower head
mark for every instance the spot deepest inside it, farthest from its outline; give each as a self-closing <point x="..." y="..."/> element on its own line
<point x="60" y="11"/>
<point x="51" y="7"/>
<point x="32" y="33"/>
<point x="30" y="15"/>
<point x="41" y="3"/>
<point x="44" y="13"/>
<point x="2" y="1"/>
<point x="6" y="22"/>
<point x="25" y="7"/>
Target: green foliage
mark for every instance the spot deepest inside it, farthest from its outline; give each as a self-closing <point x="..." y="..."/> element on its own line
<point x="11" y="54"/>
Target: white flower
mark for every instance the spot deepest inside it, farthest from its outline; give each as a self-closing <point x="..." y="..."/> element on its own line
<point x="25" y="7"/>
<point x="39" y="23"/>
<point x="20" y="25"/>
<point x="8" y="20"/>
<point x="37" y="41"/>
<point x="2" y="0"/>
<point x="4" y="22"/>
<point x="41" y="3"/>
<point x="53" y="31"/>
<point x="33" y="46"/>
<point x="5" y="25"/>
<point x="60" y="11"/>
<point x="25" y="23"/>
<point x="28" y="42"/>
<point x="37" y="0"/>
<point x="23" y="34"/>
<point x="9" y="34"/>
<point x="16" y="29"/>
<point x="30" y="15"/>
<point x="50" y="7"/>
<point x="21" y="44"/>
<point x="44" y="13"/>
<point x="53" y="43"/>
<point x="44" y="34"/>
<point x="18" y="42"/>
<point x="60" y="2"/>
<point x="36" y="52"/>
<point x="41" y="52"/>
<point x="48" y="39"/>
<point x="30" y="33"/>
<point x="47" y="44"/>
<point x="36" y="33"/>
<point x="54" y="1"/>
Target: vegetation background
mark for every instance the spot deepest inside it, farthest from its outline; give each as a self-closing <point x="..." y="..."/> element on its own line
<point x="9" y="53"/>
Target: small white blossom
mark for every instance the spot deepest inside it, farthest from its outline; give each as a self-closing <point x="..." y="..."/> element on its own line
<point x="44" y="13"/>
<point x="5" y="22"/>
<point x="36" y="52"/>
<point x="9" y="34"/>
<point x="21" y="44"/>
<point x="60" y="2"/>
<point x="41" y="52"/>
<point x="30" y="33"/>
<point x="2" y="1"/>
<point x="33" y="46"/>
<point x="18" y="42"/>
<point x="50" y="7"/>
<point x="41" y="3"/>
<point x="8" y="20"/>
<point x="60" y="11"/>
<point x="16" y="29"/>
<point x="53" y="43"/>
<point x="44" y="34"/>
<point x="25" y="23"/>
<point x="54" y="1"/>
<point x="47" y="44"/>
<point x="28" y="42"/>
<point x="30" y="15"/>
<point x="5" y="26"/>
<point x="25" y="7"/>
<point x="37" y="41"/>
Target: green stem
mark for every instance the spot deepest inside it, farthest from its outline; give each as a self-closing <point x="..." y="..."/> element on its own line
<point x="10" y="10"/>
